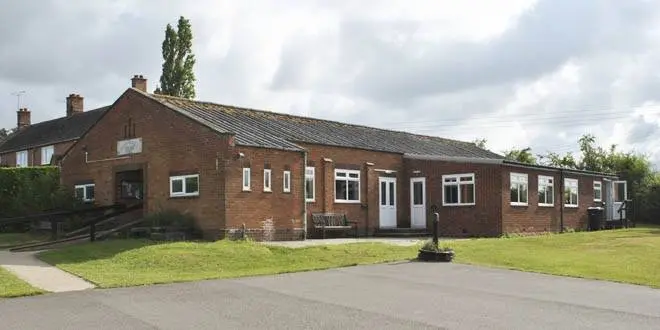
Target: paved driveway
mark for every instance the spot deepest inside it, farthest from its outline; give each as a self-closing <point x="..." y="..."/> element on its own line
<point x="395" y="296"/>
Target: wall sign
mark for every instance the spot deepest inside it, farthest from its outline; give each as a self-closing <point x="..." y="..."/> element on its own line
<point x="130" y="146"/>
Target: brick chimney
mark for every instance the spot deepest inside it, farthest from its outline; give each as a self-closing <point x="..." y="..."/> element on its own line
<point x="139" y="82"/>
<point x="23" y="119"/>
<point x="74" y="104"/>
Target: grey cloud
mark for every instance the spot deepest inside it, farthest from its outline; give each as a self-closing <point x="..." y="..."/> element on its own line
<point x="642" y="131"/>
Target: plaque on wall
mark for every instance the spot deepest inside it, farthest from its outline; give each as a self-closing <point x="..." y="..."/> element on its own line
<point x="130" y="146"/>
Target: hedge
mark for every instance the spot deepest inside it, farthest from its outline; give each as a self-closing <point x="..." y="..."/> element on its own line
<point x="30" y="190"/>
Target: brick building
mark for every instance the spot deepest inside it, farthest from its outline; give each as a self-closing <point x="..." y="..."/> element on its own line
<point x="235" y="168"/>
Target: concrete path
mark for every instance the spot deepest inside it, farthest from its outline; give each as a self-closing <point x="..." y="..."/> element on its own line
<point x="336" y="241"/>
<point x="40" y="274"/>
<point x="407" y="295"/>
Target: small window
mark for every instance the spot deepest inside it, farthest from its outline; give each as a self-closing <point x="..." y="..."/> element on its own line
<point x="85" y="192"/>
<point x="598" y="191"/>
<point x="571" y="192"/>
<point x="309" y="184"/>
<point x="546" y="191"/>
<point x="458" y="189"/>
<point x="267" y="180"/>
<point x="246" y="179"/>
<point x="47" y="154"/>
<point x="519" y="191"/>
<point x="22" y="158"/>
<point x="286" y="185"/>
<point x="184" y="185"/>
<point x="347" y="186"/>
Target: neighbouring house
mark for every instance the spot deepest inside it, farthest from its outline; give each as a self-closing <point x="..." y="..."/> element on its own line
<point x="240" y="170"/>
<point x="41" y="143"/>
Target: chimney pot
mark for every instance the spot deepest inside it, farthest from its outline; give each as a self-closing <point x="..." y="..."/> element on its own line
<point x="74" y="104"/>
<point x="23" y="119"/>
<point x="139" y="82"/>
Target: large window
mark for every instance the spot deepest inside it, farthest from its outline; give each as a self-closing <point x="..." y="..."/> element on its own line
<point x="22" y="158"/>
<point x="571" y="192"/>
<point x="286" y="185"/>
<point x="84" y="192"/>
<point x="347" y="186"/>
<point x="546" y="191"/>
<point x="184" y="185"/>
<point x="246" y="179"/>
<point x="458" y="189"/>
<point x="46" y="154"/>
<point x="267" y="180"/>
<point x="519" y="191"/>
<point x="598" y="191"/>
<point x="309" y="184"/>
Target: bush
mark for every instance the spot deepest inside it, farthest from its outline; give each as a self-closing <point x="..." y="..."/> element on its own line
<point x="171" y="218"/>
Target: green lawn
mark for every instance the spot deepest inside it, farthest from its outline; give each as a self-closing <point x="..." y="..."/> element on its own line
<point x="118" y="263"/>
<point x="10" y="239"/>
<point x="626" y="255"/>
<point x="11" y="286"/>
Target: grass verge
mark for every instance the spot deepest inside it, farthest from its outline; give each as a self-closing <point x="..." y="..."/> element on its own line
<point x="118" y="263"/>
<point x="626" y="255"/>
<point x="11" y="286"/>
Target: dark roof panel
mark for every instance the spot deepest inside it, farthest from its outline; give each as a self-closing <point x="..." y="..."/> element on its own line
<point x="53" y="131"/>
<point x="276" y="130"/>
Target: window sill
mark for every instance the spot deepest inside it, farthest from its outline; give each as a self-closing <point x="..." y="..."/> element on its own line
<point x="519" y="204"/>
<point x="571" y="206"/>
<point x="184" y="196"/>
<point x="546" y="205"/>
<point x="346" y="202"/>
<point x="310" y="201"/>
<point x="469" y="204"/>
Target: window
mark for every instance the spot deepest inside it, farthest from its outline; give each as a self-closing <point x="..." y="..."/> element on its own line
<point x="184" y="185"/>
<point x="458" y="189"/>
<point x="85" y="192"/>
<point x="267" y="180"/>
<point x="309" y="184"/>
<point x="519" y="191"/>
<point x="246" y="179"/>
<point x="571" y="192"/>
<point x="47" y="154"/>
<point x="546" y="191"/>
<point x="286" y="185"/>
<point x="347" y="186"/>
<point x="598" y="191"/>
<point x="22" y="158"/>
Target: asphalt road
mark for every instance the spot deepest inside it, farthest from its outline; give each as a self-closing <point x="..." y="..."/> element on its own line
<point x="394" y="296"/>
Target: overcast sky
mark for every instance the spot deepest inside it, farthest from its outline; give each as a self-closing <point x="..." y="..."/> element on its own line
<point x="516" y="72"/>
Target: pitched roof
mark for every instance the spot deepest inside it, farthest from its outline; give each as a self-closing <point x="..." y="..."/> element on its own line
<point x="276" y="130"/>
<point x="53" y="131"/>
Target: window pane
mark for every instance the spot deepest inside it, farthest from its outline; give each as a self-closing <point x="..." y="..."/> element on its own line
<point x="89" y="192"/>
<point x="391" y="193"/>
<point x="354" y="175"/>
<point x="523" y="193"/>
<point x="467" y="193"/>
<point x="619" y="192"/>
<point x="340" y="189"/>
<point x="192" y="185"/>
<point x="383" y="193"/>
<point x="353" y="190"/>
<point x="341" y="174"/>
<point x="246" y="178"/>
<point x="514" y="192"/>
<point x="309" y="188"/>
<point x="550" y="194"/>
<point x="80" y="192"/>
<point x="451" y="194"/>
<point x="542" y="199"/>
<point x="418" y="197"/>
<point x="177" y="185"/>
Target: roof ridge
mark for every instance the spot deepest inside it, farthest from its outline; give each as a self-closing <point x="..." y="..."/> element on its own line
<point x="306" y="118"/>
<point x="64" y="117"/>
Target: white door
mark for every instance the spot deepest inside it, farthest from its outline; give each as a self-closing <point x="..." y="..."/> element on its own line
<point x="620" y="193"/>
<point x="387" y="197"/>
<point x="418" y="202"/>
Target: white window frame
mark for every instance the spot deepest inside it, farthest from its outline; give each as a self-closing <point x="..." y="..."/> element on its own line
<point x="85" y="198"/>
<point x="310" y="175"/>
<point x="286" y="181"/>
<point x="598" y="186"/>
<point x="347" y="178"/>
<point x="458" y="183"/>
<point x="570" y="183"/>
<point x="268" y="180"/>
<point x="183" y="185"/>
<point x="22" y="158"/>
<point x="519" y="179"/>
<point x="47" y="153"/>
<point x="546" y="181"/>
<point x="246" y="175"/>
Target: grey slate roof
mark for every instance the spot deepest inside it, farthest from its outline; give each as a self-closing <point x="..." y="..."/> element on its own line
<point x="282" y="131"/>
<point x="53" y="131"/>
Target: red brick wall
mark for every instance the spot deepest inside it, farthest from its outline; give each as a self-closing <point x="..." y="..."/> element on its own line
<point x="171" y="144"/>
<point x="34" y="154"/>
<point x="534" y="218"/>
<point x="269" y="215"/>
<point x="326" y="159"/>
<point x="481" y="219"/>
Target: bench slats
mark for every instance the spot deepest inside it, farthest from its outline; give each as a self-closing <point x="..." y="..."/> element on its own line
<point x="329" y="221"/>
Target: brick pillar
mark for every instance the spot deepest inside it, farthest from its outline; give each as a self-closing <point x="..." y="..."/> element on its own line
<point x="371" y="199"/>
<point x="328" y="173"/>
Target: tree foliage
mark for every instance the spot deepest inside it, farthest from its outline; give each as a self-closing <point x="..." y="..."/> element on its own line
<point x="4" y="133"/>
<point x="521" y="155"/>
<point x="177" y="77"/>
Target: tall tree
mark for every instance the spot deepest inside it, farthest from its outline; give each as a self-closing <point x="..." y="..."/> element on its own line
<point x="521" y="155"/>
<point x="4" y="133"/>
<point x="481" y="143"/>
<point x="178" y="77"/>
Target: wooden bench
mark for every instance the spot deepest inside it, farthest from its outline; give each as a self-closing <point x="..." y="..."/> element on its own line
<point x="332" y="221"/>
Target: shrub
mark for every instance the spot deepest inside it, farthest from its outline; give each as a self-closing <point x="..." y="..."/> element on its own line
<point x="171" y="218"/>
<point x="442" y="246"/>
